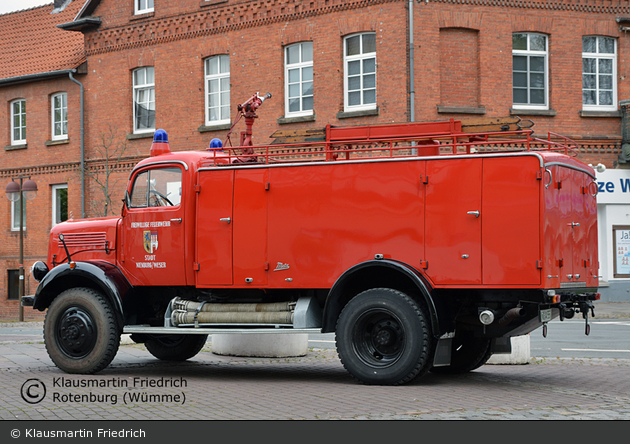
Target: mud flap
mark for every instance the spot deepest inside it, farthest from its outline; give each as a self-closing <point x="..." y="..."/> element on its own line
<point x="501" y="346"/>
<point x="442" y="356"/>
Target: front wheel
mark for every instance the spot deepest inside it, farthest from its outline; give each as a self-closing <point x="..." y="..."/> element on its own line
<point x="384" y="337"/>
<point x="175" y="347"/>
<point x="80" y="331"/>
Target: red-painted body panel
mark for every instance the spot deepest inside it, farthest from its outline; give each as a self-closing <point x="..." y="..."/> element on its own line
<point x="453" y="236"/>
<point x="323" y="219"/>
<point x="570" y="227"/>
<point x="510" y="213"/>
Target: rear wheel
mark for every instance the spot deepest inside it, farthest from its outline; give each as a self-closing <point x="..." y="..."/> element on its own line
<point x="175" y="347"/>
<point x="384" y="337"/>
<point x="80" y="331"/>
<point x="467" y="353"/>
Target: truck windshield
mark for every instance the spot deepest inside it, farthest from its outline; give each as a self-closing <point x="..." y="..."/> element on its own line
<point x="157" y="188"/>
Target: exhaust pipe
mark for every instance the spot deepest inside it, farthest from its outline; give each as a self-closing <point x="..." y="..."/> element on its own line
<point x="511" y="314"/>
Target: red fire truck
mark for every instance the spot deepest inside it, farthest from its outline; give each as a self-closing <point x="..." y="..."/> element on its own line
<point x="422" y="246"/>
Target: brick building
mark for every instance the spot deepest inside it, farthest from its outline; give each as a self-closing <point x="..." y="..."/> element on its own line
<point x="183" y="65"/>
<point x="41" y="135"/>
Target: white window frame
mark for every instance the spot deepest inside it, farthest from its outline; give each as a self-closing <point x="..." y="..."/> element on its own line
<point x="55" y="202"/>
<point x="361" y="57"/>
<point x="15" y="224"/>
<point x="142" y="6"/>
<point x="61" y="119"/>
<point x="149" y="88"/>
<point x="222" y="95"/>
<point x="22" y="127"/>
<point x="533" y="53"/>
<point x="601" y="56"/>
<point x="301" y="66"/>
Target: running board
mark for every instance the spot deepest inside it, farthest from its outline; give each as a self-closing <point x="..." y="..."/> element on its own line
<point x="147" y="329"/>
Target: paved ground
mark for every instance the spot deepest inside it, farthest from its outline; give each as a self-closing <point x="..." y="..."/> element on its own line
<point x="136" y="386"/>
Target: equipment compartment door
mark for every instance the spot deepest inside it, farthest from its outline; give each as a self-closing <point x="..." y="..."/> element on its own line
<point x="511" y="221"/>
<point x="214" y="228"/>
<point x="453" y="221"/>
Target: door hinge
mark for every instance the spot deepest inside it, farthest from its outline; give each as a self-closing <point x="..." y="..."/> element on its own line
<point x="539" y="264"/>
<point x="560" y="262"/>
<point x="587" y="263"/>
<point x="539" y="175"/>
<point x="267" y="186"/>
<point x="196" y="266"/>
<point x="197" y="188"/>
<point x="424" y="264"/>
<point x="266" y="266"/>
<point x="424" y="179"/>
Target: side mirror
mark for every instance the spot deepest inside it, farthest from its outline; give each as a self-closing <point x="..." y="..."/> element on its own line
<point x="127" y="199"/>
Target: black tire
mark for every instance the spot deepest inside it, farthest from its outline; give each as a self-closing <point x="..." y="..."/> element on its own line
<point x="80" y="331"/>
<point x="384" y="337"/>
<point x="175" y="347"/>
<point x="467" y="354"/>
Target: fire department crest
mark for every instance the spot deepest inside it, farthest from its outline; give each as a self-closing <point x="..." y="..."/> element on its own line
<point x="150" y="241"/>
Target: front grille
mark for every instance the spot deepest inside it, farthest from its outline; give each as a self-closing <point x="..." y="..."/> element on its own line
<point x="84" y="240"/>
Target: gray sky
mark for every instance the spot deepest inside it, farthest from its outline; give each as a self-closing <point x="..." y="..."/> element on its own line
<point x="16" y="5"/>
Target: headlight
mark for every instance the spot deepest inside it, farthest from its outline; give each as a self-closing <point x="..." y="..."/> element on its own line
<point x="39" y="270"/>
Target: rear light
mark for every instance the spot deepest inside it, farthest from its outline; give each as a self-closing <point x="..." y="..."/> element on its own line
<point x="556" y="299"/>
<point x="598" y="296"/>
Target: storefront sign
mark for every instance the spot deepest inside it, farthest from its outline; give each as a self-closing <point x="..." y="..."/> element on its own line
<point x="621" y="236"/>
<point x="613" y="187"/>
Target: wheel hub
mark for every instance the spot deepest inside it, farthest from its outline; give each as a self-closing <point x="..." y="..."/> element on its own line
<point x="76" y="332"/>
<point x="380" y="338"/>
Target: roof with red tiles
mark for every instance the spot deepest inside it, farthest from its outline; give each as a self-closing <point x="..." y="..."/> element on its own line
<point x="31" y="43"/>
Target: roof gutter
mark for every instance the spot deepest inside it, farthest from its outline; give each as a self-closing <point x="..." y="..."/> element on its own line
<point x="81" y="24"/>
<point x="82" y="145"/>
<point x="34" y="77"/>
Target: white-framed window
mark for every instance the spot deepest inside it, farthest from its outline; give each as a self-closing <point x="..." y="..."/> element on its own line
<point x="143" y="6"/>
<point x="59" y="116"/>
<point x="298" y="79"/>
<point x="15" y="215"/>
<point x="599" y="73"/>
<point x="217" y="81"/>
<point x="530" y="68"/>
<point x="18" y="122"/>
<point x="59" y="203"/>
<point x="359" y="80"/>
<point x="144" y="100"/>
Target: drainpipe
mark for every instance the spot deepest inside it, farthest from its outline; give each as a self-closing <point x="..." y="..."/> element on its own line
<point x="412" y="92"/>
<point x="82" y="147"/>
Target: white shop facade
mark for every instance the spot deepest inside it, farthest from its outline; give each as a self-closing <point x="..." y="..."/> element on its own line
<point x="613" y="219"/>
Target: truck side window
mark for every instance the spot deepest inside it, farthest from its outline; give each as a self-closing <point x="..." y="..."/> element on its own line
<point x="157" y="188"/>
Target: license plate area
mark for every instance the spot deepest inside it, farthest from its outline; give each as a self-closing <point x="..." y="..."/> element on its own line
<point x="544" y="314"/>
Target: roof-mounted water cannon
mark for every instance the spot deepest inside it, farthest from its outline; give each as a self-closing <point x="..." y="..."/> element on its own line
<point x="248" y="110"/>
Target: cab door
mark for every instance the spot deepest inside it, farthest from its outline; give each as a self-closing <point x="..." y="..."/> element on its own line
<point x="153" y="227"/>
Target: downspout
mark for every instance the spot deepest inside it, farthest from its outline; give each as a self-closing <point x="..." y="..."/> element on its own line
<point x="82" y="147"/>
<point x="412" y="92"/>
